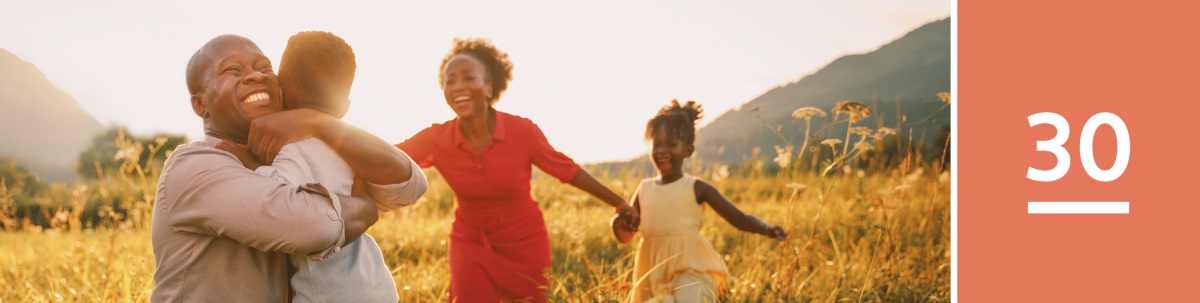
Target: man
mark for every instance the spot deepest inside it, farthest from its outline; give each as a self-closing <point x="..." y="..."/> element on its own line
<point x="220" y="232"/>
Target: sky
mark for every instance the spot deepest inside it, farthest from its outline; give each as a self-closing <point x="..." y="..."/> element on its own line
<point x="590" y="74"/>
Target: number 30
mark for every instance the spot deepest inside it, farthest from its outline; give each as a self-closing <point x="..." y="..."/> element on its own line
<point x="1086" y="155"/>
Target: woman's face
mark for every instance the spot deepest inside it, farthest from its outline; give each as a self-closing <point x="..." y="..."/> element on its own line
<point x="465" y="86"/>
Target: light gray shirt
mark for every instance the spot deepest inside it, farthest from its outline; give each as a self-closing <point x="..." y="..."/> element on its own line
<point x="357" y="273"/>
<point x="222" y="233"/>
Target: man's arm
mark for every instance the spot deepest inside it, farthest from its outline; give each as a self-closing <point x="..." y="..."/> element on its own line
<point x="292" y="167"/>
<point x="207" y="191"/>
<point x="370" y="157"/>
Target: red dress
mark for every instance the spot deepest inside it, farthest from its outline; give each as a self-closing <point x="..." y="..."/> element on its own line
<point x="498" y="243"/>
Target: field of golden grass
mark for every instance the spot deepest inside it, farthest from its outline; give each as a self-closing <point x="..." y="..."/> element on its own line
<point x="882" y="237"/>
<point x="863" y="226"/>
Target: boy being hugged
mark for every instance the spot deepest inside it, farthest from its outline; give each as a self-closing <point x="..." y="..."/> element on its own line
<point x="316" y="72"/>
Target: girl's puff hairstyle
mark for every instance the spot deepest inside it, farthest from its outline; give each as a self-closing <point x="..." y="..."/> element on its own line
<point x="499" y="68"/>
<point x="676" y="120"/>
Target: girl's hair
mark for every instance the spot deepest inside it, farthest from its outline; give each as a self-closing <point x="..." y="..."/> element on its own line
<point x="495" y="61"/>
<point x="676" y="120"/>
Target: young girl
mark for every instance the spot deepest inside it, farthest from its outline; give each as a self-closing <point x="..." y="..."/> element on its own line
<point x="674" y="262"/>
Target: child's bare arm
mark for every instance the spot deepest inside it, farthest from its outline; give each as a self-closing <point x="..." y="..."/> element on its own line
<point x="706" y="193"/>
<point x="370" y="157"/>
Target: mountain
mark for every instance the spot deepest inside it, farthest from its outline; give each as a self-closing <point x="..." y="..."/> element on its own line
<point x="41" y="126"/>
<point x="910" y="70"/>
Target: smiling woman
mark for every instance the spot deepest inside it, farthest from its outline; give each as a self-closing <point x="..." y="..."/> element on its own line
<point x="499" y="248"/>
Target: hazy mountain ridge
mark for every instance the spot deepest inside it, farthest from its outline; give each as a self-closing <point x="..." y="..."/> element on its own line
<point x="41" y="125"/>
<point x="911" y="69"/>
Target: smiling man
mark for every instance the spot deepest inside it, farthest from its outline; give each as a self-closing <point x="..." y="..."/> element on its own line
<point x="220" y="232"/>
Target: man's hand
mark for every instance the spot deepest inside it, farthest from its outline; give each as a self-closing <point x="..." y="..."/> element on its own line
<point x="241" y="152"/>
<point x="268" y="134"/>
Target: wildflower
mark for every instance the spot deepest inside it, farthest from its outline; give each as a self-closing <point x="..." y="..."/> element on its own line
<point x="857" y="111"/>
<point x="807" y="112"/>
<point x="831" y="142"/>
<point x="945" y="96"/>
<point x="864" y="146"/>
<point x="862" y="131"/>
<point x="785" y="156"/>
<point x="885" y="131"/>
<point x="720" y="173"/>
<point x="130" y="153"/>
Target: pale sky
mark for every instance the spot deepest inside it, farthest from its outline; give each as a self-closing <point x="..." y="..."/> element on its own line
<point x="590" y="74"/>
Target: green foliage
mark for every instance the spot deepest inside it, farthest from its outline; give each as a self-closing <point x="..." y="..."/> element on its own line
<point x="110" y="149"/>
<point x="21" y="183"/>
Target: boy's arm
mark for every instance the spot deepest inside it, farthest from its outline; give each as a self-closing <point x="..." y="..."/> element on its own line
<point x="290" y="167"/>
<point x="706" y="193"/>
<point x="207" y="191"/>
<point x="391" y="196"/>
<point x="371" y="158"/>
<point x="288" y="175"/>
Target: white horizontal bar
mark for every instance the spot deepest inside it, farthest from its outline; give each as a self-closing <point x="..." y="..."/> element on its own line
<point x="1079" y="207"/>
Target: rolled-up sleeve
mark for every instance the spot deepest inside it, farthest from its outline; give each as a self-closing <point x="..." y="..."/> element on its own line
<point x="208" y="191"/>
<point x="391" y="196"/>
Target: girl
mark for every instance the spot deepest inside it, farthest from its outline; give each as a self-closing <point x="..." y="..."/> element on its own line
<point x="674" y="262"/>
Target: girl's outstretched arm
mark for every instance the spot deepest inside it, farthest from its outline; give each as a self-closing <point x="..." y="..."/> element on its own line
<point x="706" y="193"/>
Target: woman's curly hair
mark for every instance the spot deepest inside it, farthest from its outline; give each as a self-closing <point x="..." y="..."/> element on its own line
<point x="677" y="120"/>
<point x="499" y="69"/>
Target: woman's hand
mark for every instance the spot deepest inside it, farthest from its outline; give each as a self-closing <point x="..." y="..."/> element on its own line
<point x="241" y="152"/>
<point x="628" y="215"/>
<point x="269" y="133"/>
<point x="622" y="230"/>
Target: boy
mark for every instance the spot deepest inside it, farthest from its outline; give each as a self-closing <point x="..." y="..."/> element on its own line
<point x="316" y="72"/>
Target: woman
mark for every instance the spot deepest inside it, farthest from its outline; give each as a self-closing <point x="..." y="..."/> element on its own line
<point x="498" y="237"/>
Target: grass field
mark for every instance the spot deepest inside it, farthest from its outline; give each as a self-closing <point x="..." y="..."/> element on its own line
<point x="882" y="237"/>
<point x="863" y="226"/>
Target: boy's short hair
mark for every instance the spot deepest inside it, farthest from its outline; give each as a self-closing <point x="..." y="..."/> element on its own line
<point x="319" y="65"/>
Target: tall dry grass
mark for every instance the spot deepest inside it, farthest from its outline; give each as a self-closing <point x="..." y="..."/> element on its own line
<point x="855" y="235"/>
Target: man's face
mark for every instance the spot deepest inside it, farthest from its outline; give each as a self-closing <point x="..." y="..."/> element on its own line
<point x="240" y="86"/>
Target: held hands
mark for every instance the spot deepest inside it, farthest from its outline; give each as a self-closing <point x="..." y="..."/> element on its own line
<point x="629" y="216"/>
<point x="269" y="133"/>
<point x="625" y="223"/>
<point x="241" y="152"/>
